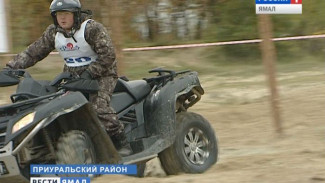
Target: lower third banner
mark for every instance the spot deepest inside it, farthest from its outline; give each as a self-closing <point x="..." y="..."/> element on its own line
<point x="82" y="169"/>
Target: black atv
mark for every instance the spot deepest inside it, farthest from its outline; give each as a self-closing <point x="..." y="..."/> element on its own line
<point x="52" y="122"/>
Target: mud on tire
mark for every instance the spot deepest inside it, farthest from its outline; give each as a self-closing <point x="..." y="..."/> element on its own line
<point x="195" y="148"/>
<point x="75" y="147"/>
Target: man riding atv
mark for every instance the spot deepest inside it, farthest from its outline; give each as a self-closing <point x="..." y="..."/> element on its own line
<point x="88" y="53"/>
<point x="55" y="122"/>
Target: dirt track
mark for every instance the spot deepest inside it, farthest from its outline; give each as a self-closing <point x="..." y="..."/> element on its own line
<point x="250" y="150"/>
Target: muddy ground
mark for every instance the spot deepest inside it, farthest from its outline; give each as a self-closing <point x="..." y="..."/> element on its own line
<point x="250" y="149"/>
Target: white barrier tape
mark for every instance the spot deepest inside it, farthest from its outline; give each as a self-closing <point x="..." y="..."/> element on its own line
<point x="222" y="43"/>
<point x="299" y="38"/>
<point x="205" y="44"/>
<point x="192" y="45"/>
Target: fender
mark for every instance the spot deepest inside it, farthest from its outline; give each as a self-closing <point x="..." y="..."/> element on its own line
<point x="48" y="111"/>
<point x="160" y="107"/>
<point x="71" y="105"/>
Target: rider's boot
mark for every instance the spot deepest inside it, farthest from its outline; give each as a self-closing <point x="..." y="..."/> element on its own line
<point x="122" y="145"/>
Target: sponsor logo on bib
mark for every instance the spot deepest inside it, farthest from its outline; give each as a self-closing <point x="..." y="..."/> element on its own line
<point x="69" y="47"/>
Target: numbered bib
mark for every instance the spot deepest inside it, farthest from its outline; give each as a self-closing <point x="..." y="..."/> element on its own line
<point x="75" y="53"/>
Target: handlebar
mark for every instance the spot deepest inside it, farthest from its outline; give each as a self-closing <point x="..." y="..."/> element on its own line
<point x="164" y="75"/>
<point x="65" y="80"/>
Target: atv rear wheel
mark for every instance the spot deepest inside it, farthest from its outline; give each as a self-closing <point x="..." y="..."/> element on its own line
<point x="195" y="148"/>
<point x="75" y="147"/>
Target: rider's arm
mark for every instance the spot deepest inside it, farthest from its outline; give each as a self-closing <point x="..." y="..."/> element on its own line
<point x="97" y="37"/>
<point x="36" y="51"/>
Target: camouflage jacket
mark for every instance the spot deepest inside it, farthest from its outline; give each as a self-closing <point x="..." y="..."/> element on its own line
<point x="96" y="36"/>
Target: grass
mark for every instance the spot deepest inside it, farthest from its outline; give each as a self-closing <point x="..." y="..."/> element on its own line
<point x="136" y="64"/>
<point x="222" y="74"/>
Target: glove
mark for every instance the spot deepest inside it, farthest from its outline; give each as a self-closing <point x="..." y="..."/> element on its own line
<point x="15" y="72"/>
<point x="86" y="75"/>
<point x="7" y="70"/>
<point x="7" y="78"/>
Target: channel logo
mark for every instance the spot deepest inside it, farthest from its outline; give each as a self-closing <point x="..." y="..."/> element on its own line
<point x="59" y="180"/>
<point x="278" y="6"/>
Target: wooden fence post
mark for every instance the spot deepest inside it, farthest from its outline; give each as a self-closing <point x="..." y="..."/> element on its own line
<point x="269" y="59"/>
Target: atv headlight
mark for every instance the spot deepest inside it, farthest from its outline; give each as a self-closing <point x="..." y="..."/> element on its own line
<point x="23" y="122"/>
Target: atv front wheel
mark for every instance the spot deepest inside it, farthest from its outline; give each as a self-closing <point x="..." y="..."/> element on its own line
<point x="195" y="148"/>
<point x="75" y="147"/>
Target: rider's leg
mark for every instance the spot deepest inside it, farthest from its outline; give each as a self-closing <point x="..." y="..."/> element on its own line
<point x="107" y="115"/>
